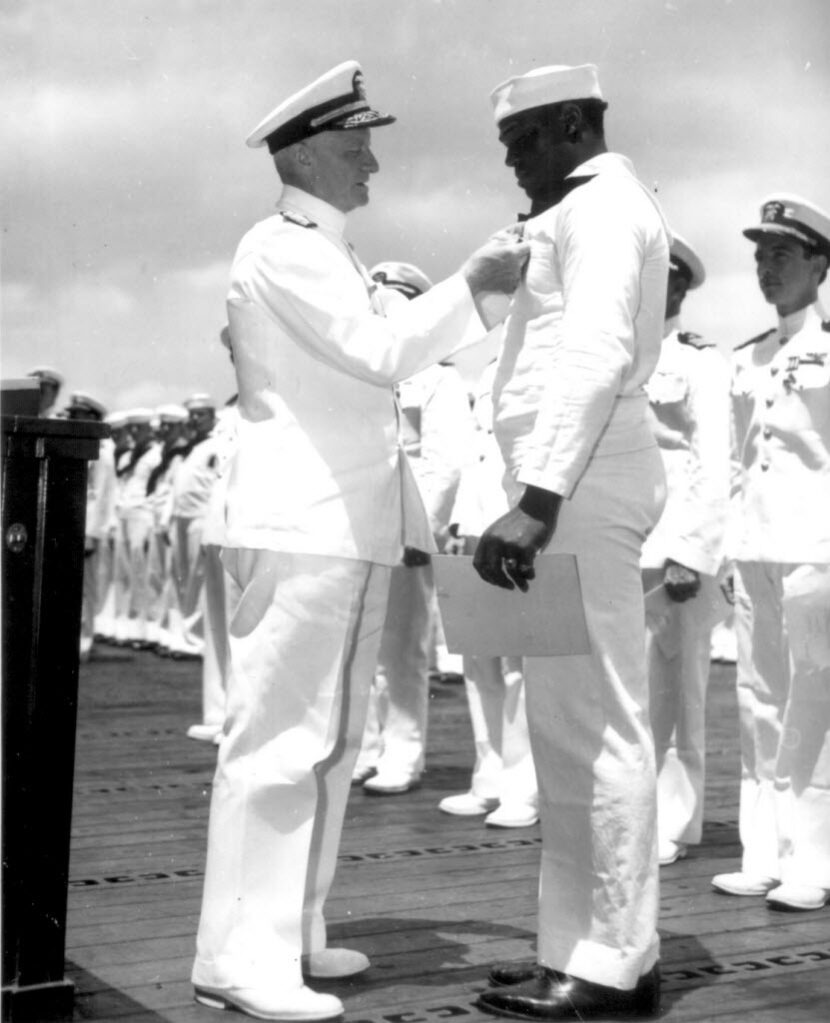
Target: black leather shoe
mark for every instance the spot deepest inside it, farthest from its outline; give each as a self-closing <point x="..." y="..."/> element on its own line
<point x="551" y="996"/>
<point x="503" y="974"/>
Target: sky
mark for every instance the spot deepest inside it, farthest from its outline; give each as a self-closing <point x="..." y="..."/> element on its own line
<point x="127" y="183"/>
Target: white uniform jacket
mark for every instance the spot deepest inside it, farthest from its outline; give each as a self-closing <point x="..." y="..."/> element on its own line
<point x="317" y="347"/>
<point x="195" y="478"/>
<point x="437" y="434"/>
<point x="584" y="329"/>
<point x="133" y="495"/>
<point x="689" y="392"/>
<point x="781" y="443"/>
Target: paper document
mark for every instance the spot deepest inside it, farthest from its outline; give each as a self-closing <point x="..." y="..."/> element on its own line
<point x="486" y="621"/>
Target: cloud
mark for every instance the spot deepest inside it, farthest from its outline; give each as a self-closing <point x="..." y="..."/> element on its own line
<point x="129" y="184"/>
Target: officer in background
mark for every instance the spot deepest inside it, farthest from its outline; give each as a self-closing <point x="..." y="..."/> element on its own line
<point x="585" y="476"/>
<point x="780" y="540"/>
<point x="437" y="436"/>
<point x="100" y="483"/>
<point x="320" y="501"/>
<point x="689" y="394"/>
<point x="503" y="784"/>
<point x="50" y="382"/>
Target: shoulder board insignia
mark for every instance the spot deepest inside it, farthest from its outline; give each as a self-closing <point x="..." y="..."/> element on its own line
<point x="754" y="340"/>
<point x="296" y="218"/>
<point x="688" y="337"/>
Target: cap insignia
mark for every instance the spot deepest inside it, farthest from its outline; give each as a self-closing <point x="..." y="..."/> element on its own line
<point x="772" y="212"/>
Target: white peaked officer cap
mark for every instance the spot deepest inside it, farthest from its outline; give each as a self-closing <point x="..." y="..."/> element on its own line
<point x="116" y="420"/>
<point x="171" y="414"/>
<point x="138" y="416"/>
<point x="196" y="402"/>
<point x="47" y="374"/>
<point x="684" y="259"/>
<point x="543" y="86"/>
<point x="795" y="217"/>
<point x="83" y="402"/>
<point x="403" y="277"/>
<point x="336" y="101"/>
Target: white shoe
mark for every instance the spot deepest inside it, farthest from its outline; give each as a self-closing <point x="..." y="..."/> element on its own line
<point x="740" y="883"/>
<point x="517" y="815"/>
<point x="204" y="733"/>
<point x="669" y="852"/>
<point x="798" y="896"/>
<point x="297" y="1004"/>
<point x="466" y="804"/>
<point x="335" y="962"/>
<point x="391" y="783"/>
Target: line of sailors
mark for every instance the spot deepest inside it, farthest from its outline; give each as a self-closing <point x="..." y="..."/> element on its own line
<point x="154" y="535"/>
<point x="148" y="571"/>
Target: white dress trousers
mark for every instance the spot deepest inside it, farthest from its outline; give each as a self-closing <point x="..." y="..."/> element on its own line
<point x="402" y="676"/>
<point x="220" y="597"/>
<point x="188" y="567"/>
<point x="503" y="766"/>
<point x="678" y="660"/>
<point x="304" y="638"/>
<point x="782" y="623"/>
<point x="592" y="743"/>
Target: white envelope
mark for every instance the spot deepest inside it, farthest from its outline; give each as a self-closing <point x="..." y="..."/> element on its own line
<point x="487" y="621"/>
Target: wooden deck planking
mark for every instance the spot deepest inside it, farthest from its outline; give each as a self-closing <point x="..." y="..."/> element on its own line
<point x="432" y="899"/>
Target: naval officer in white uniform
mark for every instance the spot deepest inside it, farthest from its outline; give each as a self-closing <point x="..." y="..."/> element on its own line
<point x="320" y="503"/>
<point x="780" y="540"/>
<point x="581" y="339"/>
<point x="689" y="395"/>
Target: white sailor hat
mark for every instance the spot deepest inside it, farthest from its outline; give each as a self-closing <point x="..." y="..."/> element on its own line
<point x="199" y="401"/>
<point x="81" y="402"/>
<point x="116" y="419"/>
<point x="138" y="416"/>
<point x="171" y="413"/>
<point x="336" y="101"/>
<point x="795" y="217"/>
<point x="47" y="374"/>
<point x="403" y="277"/>
<point x="684" y="259"/>
<point x="543" y="86"/>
